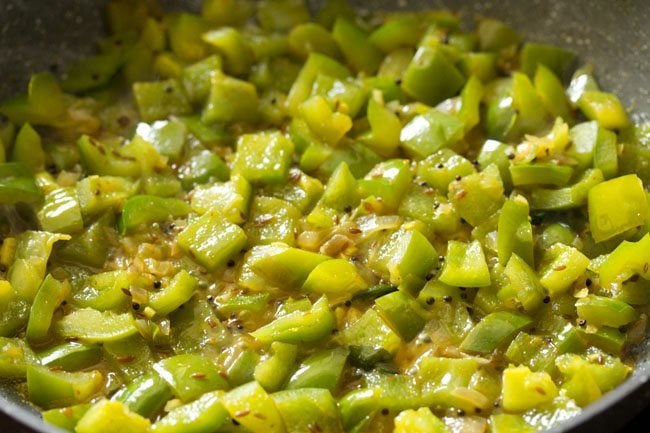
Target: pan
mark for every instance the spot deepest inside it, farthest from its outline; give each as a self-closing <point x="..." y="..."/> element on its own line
<point x="46" y="35"/>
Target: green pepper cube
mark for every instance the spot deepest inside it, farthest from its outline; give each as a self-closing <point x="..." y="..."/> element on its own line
<point x="179" y="290"/>
<point x="299" y="326"/>
<point x="263" y="157"/>
<point x="273" y="371"/>
<point x="206" y="414"/>
<point x="429" y="132"/>
<point x="402" y="313"/>
<point x="253" y="408"/>
<point x="71" y="356"/>
<point x="277" y="265"/>
<point x="494" y="330"/>
<point x="66" y="418"/>
<point x="552" y="93"/>
<point x="514" y="231"/>
<point x="407" y="257"/>
<point x="477" y="196"/>
<point x="337" y="278"/>
<point x="323" y="369"/>
<point x="230" y="100"/>
<point x="560" y="267"/>
<point x="524" y="285"/>
<point x="17" y="184"/>
<point x="601" y="310"/>
<point x="160" y="99"/>
<point x="303" y="408"/>
<point x="94" y="326"/>
<point x="330" y="126"/>
<point x="341" y="193"/>
<point x="231" y="198"/>
<point x="387" y="181"/>
<point x="44" y="103"/>
<point x="272" y="220"/>
<point x="556" y="59"/>
<point x="197" y="78"/>
<point x="99" y="158"/>
<point x="185" y="30"/>
<point x="465" y="265"/>
<point x="431" y="78"/>
<point x="190" y="375"/>
<point x="201" y="167"/>
<point x="627" y="259"/>
<point x="370" y="339"/>
<point x="211" y="241"/>
<point x="303" y="191"/>
<point x="227" y="12"/>
<point x="167" y="137"/>
<point x="28" y="148"/>
<point x="606" y="371"/>
<point x="507" y="423"/>
<point x="147" y="209"/>
<point x="312" y="37"/>
<point x="419" y="421"/>
<point x="109" y="416"/>
<point x="91" y="246"/>
<point x="442" y="167"/>
<point x="15" y="356"/>
<point x="50" y="389"/>
<point x="605" y="108"/>
<point x="495" y="35"/>
<point x="569" y="197"/>
<point x="49" y="297"/>
<point x="524" y="389"/>
<point x="61" y="212"/>
<point x="233" y="47"/>
<point x="358" y="51"/>
<point x="616" y="206"/>
<point x="434" y="210"/>
<point x="540" y="174"/>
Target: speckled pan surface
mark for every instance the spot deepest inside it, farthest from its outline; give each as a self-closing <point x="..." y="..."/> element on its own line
<point x="38" y="35"/>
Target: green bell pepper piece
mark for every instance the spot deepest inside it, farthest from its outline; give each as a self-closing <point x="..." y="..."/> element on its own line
<point x="230" y="100"/>
<point x="281" y="15"/>
<point x="254" y="303"/>
<point x="273" y="371"/>
<point x="277" y="265"/>
<point x="524" y="389"/>
<point x="341" y="193"/>
<point x="66" y="418"/>
<point x="211" y="241"/>
<point x="108" y="416"/>
<point x="405" y="31"/>
<point x="582" y="81"/>
<point x="402" y="313"/>
<point x="551" y="91"/>
<point x="494" y="330"/>
<point x="465" y="265"/>
<point x="477" y="196"/>
<point x="129" y="357"/>
<point x="71" y="356"/>
<point x="95" y="326"/>
<point x="407" y="257"/>
<point x="308" y="38"/>
<point x="540" y="174"/>
<point x="600" y="310"/>
<point x="49" y="297"/>
<point x="98" y="194"/>
<point x="419" y="421"/>
<point x="607" y="371"/>
<point x="430" y="132"/>
<point x="28" y="148"/>
<point x="105" y="291"/>
<point x="164" y="185"/>
<point x="160" y="99"/>
<point x="263" y="158"/>
<point x="431" y="77"/>
<point x="442" y="167"/>
<point x="184" y="32"/>
<point x="523" y="284"/>
<point x="232" y="199"/>
<point x="338" y="279"/>
<point x="432" y="209"/>
<point x="167" y="137"/>
<point x="299" y="326"/>
<point x="190" y="376"/>
<point x="302" y="191"/>
<point x="145" y="396"/>
<point x="555" y="59"/>
<point x="369" y="339"/>
<point x="357" y="50"/>
<point x="616" y="206"/>
<point x="254" y="409"/>
<point x="179" y="290"/>
<point x="202" y="166"/>
<point x="50" y="389"/>
<point x="227" y="12"/>
<point x="204" y="415"/>
<point x="387" y="181"/>
<point x="560" y="267"/>
<point x="385" y="126"/>
<point x="17" y="184"/>
<point x="233" y="48"/>
<point x="44" y="103"/>
<point x="323" y="369"/>
<point x="533" y="352"/>
<point x="61" y="212"/>
<point x="100" y="159"/>
<point x="15" y="356"/>
<point x="328" y="125"/>
<point x="272" y="220"/>
<point x="146" y="209"/>
<point x="316" y="64"/>
<point x="241" y="367"/>
<point x="495" y="35"/>
<point x="569" y="197"/>
<point x="514" y="231"/>
<point x="196" y="78"/>
<point x="90" y="247"/>
<point x="605" y="108"/>
<point x="302" y="409"/>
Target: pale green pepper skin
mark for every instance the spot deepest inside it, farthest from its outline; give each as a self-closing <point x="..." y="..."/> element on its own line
<point x="248" y="218"/>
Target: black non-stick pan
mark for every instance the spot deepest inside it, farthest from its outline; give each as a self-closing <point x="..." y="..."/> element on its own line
<point x="614" y="35"/>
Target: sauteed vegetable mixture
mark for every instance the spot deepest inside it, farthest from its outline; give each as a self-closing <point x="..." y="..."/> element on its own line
<point x="254" y="219"/>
